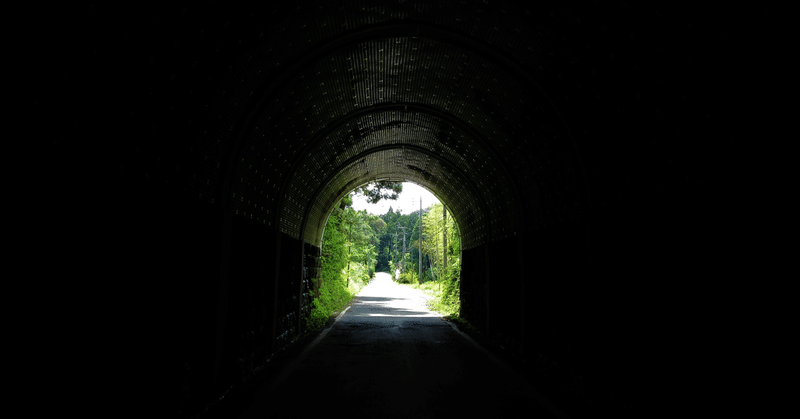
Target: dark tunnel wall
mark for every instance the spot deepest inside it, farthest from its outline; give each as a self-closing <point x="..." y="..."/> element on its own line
<point x="196" y="151"/>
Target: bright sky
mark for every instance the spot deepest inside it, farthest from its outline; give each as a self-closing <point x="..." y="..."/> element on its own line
<point x="408" y="201"/>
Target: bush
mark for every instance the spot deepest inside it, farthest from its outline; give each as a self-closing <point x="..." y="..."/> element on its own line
<point x="408" y="277"/>
<point x="332" y="296"/>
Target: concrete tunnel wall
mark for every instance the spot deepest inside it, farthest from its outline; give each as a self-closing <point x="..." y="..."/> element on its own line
<point x="203" y="147"/>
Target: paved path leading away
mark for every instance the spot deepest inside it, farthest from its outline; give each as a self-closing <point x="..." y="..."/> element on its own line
<point x="388" y="356"/>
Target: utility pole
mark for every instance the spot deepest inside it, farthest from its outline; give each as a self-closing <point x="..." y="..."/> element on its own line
<point x="394" y="254"/>
<point x="419" y="278"/>
<point x="403" y="266"/>
<point x="444" y="237"/>
<point x="349" y="247"/>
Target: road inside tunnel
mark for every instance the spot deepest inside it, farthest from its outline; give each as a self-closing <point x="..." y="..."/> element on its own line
<point x="389" y="356"/>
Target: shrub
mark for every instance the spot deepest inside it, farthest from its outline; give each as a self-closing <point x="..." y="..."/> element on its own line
<point x="408" y="277"/>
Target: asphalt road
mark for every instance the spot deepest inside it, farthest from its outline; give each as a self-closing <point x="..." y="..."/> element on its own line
<point x="388" y="356"/>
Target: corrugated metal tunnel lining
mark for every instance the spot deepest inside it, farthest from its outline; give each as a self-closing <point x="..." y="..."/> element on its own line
<point x="407" y="164"/>
<point x="456" y="101"/>
<point x="413" y="146"/>
<point x="196" y="150"/>
<point x="430" y="101"/>
<point x="445" y="100"/>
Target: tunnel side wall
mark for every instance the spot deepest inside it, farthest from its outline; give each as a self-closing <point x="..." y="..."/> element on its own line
<point x="250" y="306"/>
<point x="558" y="316"/>
<point x="473" y="286"/>
<point x="538" y="308"/>
<point x="312" y="272"/>
<point x="174" y="305"/>
<point x="265" y="304"/>
<point x="134" y="286"/>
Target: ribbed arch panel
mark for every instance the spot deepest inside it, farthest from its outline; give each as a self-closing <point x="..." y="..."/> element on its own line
<point x="499" y="126"/>
<point x="404" y="165"/>
<point x="398" y="129"/>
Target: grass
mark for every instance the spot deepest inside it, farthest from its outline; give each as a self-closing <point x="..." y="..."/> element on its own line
<point x="443" y="304"/>
<point x="356" y="285"/>
<point x="448" y="305"/>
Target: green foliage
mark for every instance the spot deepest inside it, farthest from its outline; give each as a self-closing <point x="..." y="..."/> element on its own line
<point x="356" y="245"/>
<point x="330" y="293"/>
<point x="444" y="295"/>
<point x="390" y="243"/>
<point x="441" y="248"/>
<point x="332" y="296"/>
<point x="383" y="189"/>
<point x="333" y="248"/>
<point x="408" y="277"/>
<point x="348" y="261"/>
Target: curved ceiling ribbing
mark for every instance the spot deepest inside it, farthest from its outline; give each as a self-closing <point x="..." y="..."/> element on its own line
<point x="409" y="163"/>
<point x="283" y="154"/>
<point x="391" y="126"/>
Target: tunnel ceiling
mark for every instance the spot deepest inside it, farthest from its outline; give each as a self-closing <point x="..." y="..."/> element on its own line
<point x="440" y="94"/>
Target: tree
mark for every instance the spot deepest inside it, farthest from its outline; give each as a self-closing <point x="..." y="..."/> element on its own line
<point x="382" y="189"/>
<point x="348" y="253"/>
<point x="378" y="225"/>
<point x="442" y="245"/>
<point x="330" y="291"/>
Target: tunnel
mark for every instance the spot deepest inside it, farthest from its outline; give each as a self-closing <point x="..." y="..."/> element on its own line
<point x="197" y="150"/>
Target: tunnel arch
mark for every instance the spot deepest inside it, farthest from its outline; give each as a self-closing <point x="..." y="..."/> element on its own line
<point x="389" y="162"/>
<point x="194" y="127"/>
<point x="316" y="119"/>
<point x="439" y="146"/>
<point x="397" y="30"/>
<point x="372" y="37"/>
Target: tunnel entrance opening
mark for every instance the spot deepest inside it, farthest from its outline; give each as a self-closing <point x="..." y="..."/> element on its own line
<point x="359" y="245"/>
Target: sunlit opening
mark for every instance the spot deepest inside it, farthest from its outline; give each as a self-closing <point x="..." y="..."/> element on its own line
<point x="413" y="239"/>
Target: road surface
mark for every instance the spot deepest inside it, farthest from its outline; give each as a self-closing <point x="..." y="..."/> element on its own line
<point x="388" y="356"/>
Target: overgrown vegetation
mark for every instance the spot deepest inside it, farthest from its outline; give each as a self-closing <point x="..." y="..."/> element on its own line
<point x="348" y="261"/>
<point x="441" y="249"/>
<point x="356" y="244"/>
